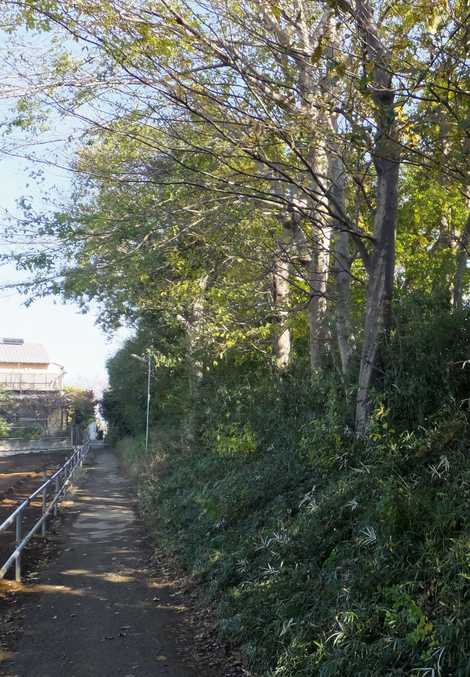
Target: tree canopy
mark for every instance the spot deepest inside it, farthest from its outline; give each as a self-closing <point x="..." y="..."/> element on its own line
<point x="258" y="173"/>
<point x="274" y="195"/>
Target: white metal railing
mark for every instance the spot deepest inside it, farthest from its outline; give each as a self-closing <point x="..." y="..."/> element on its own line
<point x="58" y="482"/>
<point x="31" y="381"/>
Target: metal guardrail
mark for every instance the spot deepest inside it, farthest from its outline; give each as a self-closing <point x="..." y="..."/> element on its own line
<point x="59" y="481"/>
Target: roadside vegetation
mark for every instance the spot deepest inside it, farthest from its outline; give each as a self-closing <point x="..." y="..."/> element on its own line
<point x="275" y="197"/>
<point x="4" y="425"/>
<point x="77" y="405"/>
<point x="322" y="554"/>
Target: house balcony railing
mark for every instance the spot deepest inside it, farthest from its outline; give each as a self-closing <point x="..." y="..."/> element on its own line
<point x="21" y="382"/>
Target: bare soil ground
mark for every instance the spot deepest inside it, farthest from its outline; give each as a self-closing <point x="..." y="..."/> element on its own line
<point x="23" y="471"/>
<point x="20" y="475"/>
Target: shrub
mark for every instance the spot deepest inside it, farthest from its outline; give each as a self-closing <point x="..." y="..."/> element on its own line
<point x="325" y="555"/>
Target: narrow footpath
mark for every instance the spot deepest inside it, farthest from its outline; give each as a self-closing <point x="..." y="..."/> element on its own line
<point x="94" y="612"/>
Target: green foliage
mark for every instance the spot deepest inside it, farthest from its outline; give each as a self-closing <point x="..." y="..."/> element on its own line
<point x="325" y="555"/>
<point x="426" y="360"/>
<point x="229" y="439"/>
<point x="124" y="402"/>
<point x="4" y="427"/>
<point x="202" y="177"/>
<point x="80" y="405"/>
<point x="29" y="433"/>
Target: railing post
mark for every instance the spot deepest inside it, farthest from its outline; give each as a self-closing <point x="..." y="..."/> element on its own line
<point x="18" y="541"/>
<point x="56" y="493"/>
<point x="44" y="502"/>
<point x="63" y="476"/>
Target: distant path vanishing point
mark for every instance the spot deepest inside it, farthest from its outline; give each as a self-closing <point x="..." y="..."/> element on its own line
<point x="94" y="613"/>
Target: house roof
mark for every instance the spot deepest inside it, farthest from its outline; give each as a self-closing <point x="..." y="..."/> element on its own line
<point x="15" y="350"/>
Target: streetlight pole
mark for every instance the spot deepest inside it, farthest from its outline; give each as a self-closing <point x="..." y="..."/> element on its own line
<point x="149" y="373"/>
<point x="149" y="369"/>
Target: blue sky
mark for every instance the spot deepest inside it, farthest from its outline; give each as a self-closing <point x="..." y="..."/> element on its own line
<point x="72" y="338"/>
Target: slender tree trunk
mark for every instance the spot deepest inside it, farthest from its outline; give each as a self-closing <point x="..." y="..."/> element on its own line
<point x="337" y="208"/>
<point x="281" y="294"/>
<point x="461" y="265"/>
<point x="343" y="301"/>
<point x="320" y="260"/>
<point x="464" y="240"/>
<point x="379" y="274"/>
<point x="386" y="156"/>
<point x="390" y="257"/>
<point x="342" y="267"/>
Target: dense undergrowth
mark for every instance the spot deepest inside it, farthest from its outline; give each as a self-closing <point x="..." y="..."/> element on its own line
<point x="325" y="555"/>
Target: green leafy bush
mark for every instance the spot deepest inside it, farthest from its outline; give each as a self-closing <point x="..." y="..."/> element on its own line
<point x="4" y="427"/>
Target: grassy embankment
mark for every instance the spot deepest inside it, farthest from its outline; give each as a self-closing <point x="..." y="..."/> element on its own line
<point x="325" y="555"/>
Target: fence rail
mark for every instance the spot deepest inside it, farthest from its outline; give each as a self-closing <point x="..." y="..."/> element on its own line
<point x="58" y="482"/>
<point x="30" y="382"/>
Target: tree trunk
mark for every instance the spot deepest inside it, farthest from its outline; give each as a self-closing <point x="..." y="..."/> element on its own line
<point x="281" y="293"/>
<point x="380" y="275"/>
<point x="464" y="240"/>
<point x="318" y="265"/>
<point x="320" y="260"/>
<point x="386" y="157"/>
<point x="461" y="266"/>
<point x="342" y="265"/>
<point x="337" y="208"/>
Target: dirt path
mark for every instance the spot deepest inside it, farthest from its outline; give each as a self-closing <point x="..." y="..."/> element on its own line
<point x="94" y="613"/>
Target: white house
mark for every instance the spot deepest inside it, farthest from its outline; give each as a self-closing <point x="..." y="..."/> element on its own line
<point x="26" y="368"/>
<point x="32" y="387"/>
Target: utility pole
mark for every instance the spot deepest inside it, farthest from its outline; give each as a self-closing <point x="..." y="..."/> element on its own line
<point x="149" y="369"/>
<point x="149" y="374"/>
